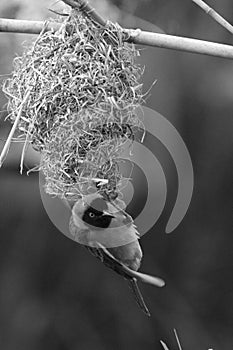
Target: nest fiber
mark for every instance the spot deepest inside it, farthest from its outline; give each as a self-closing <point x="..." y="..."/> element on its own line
<point x="81" y="112"/>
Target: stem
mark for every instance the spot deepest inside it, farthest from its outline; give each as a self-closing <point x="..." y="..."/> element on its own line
<point x="177" y="339"/>
<point x="11" y="134"/>
<point x="215" y="15"/>
<point x="179" y="43"/>
<point x="84" y="6"/>
<point x="23" y="26"/>
<point x="134" y="36"/>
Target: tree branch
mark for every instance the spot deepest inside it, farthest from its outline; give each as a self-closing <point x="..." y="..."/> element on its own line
<point x="84" y="6"/>
<point x="134" y="36"/>
<point x="180" y="43"/>
<point x="215" y="15"/>
<point x="27" y="27"/>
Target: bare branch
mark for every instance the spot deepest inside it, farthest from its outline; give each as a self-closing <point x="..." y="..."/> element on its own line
<point x="177" y="339"/>
<point x="179" y="43"/>
<point x="215" y="15"/>
<point x="135" y="36"/>
<point x="84" y="6"/>
<point x="23" y="26"/>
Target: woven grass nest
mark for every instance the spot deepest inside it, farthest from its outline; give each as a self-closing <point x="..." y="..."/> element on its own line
<point x="84" y="89"/>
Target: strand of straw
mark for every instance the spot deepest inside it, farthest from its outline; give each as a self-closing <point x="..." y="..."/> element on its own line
<point x="177" y="339"/>
<point x="164" y="345"/>
<point x="11" y="134"/>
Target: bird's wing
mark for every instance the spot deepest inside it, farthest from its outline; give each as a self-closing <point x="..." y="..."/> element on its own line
<point x="110" y="261"/>
<point x="136" y="231"/>
<point x="79" y="235"/>
<point x="96" y="252"/>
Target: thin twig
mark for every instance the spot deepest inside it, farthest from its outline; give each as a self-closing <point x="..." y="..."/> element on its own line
<point x="25" y="146"/>
<point x="177" y="339"/>
<point x="11" y="134"/>
<point x="135" y="36"/>
<point x="215" y="15"/>
<point x="165" y="347"/>
<point x="84" y="6"/>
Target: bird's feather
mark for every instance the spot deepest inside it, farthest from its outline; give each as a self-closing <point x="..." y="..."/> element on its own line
<point x="110" y="261"/>
<point x="138" y="295"/>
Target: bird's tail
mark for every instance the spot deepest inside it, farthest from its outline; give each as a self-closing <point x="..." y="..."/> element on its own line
<point x="142" y="277"/>
<point x="124" y="270"/>
<point x="138" y="295"/>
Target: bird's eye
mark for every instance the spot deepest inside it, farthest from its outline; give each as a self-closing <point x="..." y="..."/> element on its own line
<point x="92" y="215"/>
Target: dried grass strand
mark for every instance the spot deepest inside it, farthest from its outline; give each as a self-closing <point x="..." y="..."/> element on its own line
<point x="13" y="129"/>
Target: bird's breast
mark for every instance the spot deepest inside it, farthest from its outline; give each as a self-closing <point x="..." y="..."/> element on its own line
<point x="129" y="254"/>
<point x="114" y="236"/>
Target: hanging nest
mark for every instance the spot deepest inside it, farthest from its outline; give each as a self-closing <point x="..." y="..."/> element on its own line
<point x="81" y="111"/>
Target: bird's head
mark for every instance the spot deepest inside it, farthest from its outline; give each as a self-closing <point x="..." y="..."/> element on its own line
<point x="95" y="219"/>
<point x="94" y="210"/>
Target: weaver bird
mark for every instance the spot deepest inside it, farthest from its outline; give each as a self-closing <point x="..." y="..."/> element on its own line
<point x="109" y="233"/>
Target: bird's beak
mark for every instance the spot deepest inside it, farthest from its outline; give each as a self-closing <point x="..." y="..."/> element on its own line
<point x="120" y="217"/>
<point x="108" y="214"/>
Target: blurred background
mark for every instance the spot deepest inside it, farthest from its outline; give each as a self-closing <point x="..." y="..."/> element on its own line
<point x="53" y="294"/>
